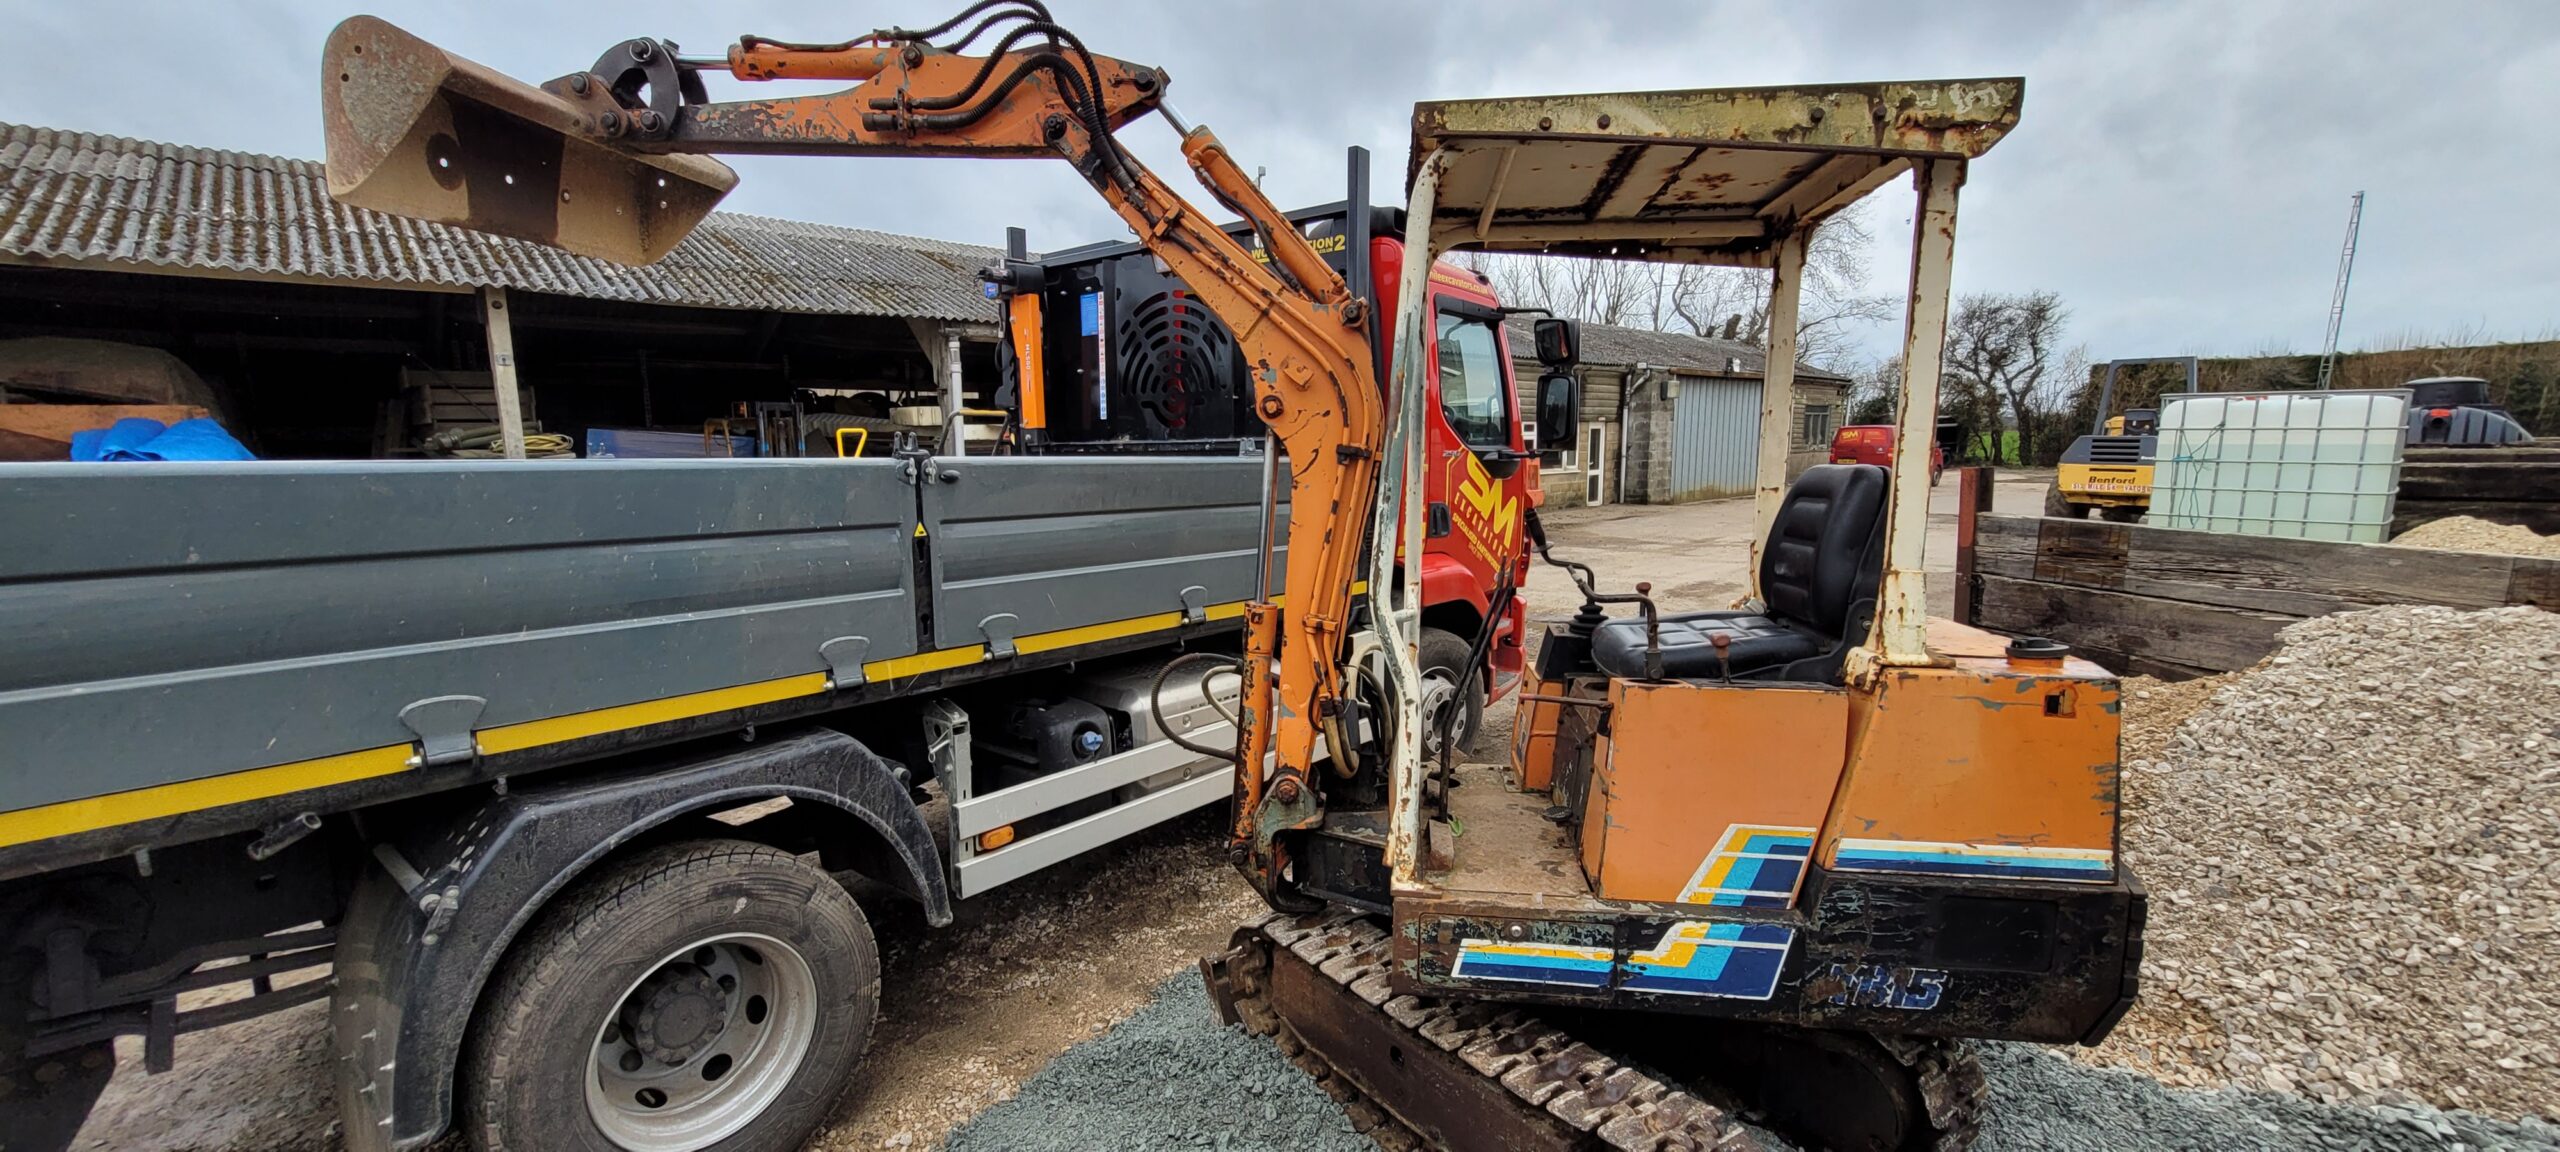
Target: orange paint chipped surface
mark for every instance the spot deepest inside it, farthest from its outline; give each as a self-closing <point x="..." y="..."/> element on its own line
<point x="1683" y="763"/>
<point x="1983" y="753"/>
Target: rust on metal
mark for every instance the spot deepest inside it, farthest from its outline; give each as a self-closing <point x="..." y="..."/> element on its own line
<point x="415" y="131"/>
<point x="1714" y="176"/>
<point x="1902" y="608"/>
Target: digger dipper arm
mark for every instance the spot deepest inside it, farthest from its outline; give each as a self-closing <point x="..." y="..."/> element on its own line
<point x="483" y="139"/>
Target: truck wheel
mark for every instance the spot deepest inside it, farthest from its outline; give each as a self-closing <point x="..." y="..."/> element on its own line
<point x="709" y="994"/>
<point x="2055" y="505"/>
<point x="1444" y="656"/>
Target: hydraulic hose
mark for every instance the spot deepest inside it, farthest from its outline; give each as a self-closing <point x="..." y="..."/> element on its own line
<point x="1219" y="662"/>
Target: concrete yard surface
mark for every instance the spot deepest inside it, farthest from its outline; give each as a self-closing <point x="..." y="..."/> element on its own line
<point x="1698" y="556"/>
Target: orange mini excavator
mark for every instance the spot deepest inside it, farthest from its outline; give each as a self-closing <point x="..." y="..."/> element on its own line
<point x="1778" y="858"/>
<point x="1768" y="860"/>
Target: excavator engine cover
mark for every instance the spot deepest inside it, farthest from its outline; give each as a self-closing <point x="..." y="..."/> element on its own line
<point x="416" y="131"/>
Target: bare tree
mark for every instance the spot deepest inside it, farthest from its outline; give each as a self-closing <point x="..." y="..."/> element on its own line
<point x="1707" y="300"/>
<point x="1873" y="389"/>
<point x="1831" y="303"/>
<point x="2006" y="350"/>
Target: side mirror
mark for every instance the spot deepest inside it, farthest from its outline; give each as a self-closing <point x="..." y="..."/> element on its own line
<point x="1559" y="342"/>
<point x="1559" y="404"/>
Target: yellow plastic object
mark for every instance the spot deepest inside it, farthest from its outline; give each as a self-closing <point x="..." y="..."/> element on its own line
<point x="994" y="838"/>
<point x="858" y="445"/>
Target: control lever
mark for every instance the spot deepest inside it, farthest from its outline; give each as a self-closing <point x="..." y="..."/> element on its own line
<point x="1724" y="654"/>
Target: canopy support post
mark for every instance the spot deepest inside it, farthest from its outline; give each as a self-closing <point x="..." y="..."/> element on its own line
<point x="1902" y="614"/>
<point x="1777" y="394"/>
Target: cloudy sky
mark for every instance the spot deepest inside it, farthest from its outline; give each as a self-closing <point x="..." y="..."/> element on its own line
<point x="2181" y="175"/>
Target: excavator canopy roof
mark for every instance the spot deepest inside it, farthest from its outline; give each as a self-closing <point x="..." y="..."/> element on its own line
<point x="1708" y="176"/>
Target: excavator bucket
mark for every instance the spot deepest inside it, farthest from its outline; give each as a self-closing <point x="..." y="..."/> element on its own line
<point x="416" y="131"/>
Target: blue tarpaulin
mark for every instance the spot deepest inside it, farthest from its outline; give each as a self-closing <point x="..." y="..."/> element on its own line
<point x="141" y="438"/>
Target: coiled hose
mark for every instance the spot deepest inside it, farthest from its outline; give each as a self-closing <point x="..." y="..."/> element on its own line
<point x="481" y="441"/>
<point x="1219" y="662"/>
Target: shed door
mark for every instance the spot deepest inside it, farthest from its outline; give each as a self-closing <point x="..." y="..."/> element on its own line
<point x="1715" y="438"/>
<point x="1595" y="465"/>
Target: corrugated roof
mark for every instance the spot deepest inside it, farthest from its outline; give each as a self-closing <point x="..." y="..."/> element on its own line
<point x="1679" y="351"/>
<point x="132" y="205"/>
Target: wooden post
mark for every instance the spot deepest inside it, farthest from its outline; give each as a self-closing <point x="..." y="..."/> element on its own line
<point x="1777" y="393"/>
<point x="502" y="370"/>
<point x="1973" y="498"/>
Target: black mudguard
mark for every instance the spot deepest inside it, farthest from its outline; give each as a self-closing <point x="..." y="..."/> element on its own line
<point x="425" y="929"/>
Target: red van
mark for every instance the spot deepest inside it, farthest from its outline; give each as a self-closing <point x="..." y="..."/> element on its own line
<point x="1873" y="444"/>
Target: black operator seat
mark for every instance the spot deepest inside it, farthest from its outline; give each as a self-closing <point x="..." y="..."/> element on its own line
<point x="1818" y="575"/>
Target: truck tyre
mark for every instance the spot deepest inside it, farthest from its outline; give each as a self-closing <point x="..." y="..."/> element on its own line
<point x="1444" y="655"/>
<point x="2055" y="505"/>
<point x="707" y="994"/>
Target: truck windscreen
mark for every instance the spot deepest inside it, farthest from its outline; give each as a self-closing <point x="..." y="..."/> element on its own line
<point x="1472" y="394"/>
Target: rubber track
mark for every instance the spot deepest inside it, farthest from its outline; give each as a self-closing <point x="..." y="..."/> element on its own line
<point x="1952" y="1086"/>
<point x="1618" y="1106"/>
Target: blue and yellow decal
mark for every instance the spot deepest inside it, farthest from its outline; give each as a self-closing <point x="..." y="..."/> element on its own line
<point x="2004" y="861"/>
<point x="1571" y="965"/>
<point x="1753" y="866"/>
<point x="1705" y="958"/>
<point x="1694" y="958"/>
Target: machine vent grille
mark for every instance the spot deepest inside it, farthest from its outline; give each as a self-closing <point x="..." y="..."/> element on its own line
<point x="2115" y="450"/>
<point x="1174" y="357"/>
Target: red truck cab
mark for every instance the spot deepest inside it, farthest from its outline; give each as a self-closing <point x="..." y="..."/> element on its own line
<point x="1113" y="355"/>
<point x="1479" y="475"/>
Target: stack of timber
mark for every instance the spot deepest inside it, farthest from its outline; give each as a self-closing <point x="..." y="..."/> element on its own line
<point x="2174" y="604"/>
<point x="2519" y="485"/>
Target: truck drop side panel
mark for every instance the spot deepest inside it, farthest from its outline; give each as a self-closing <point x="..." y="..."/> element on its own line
<point x="170" y="622"/>
<point x="184" y="637"/>
<point x="1063" y="543"/>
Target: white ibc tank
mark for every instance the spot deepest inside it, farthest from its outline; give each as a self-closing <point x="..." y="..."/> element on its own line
<point x="2318" y="465"/>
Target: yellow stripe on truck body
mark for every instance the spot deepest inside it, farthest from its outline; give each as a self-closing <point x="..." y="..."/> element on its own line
<point x="92" y="813"/>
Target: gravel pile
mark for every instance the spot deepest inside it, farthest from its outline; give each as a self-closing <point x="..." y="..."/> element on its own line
<point x="2472" y="534"/>
<point x="2349" y="850"/>
<point x="2043" y="1103"/>
<point x="1167" y="1078"/>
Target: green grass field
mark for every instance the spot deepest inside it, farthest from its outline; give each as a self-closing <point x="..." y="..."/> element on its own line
<point x="2008" y="448"/>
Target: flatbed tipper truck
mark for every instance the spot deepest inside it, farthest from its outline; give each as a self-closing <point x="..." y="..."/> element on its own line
<point x="397" y="715"/>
